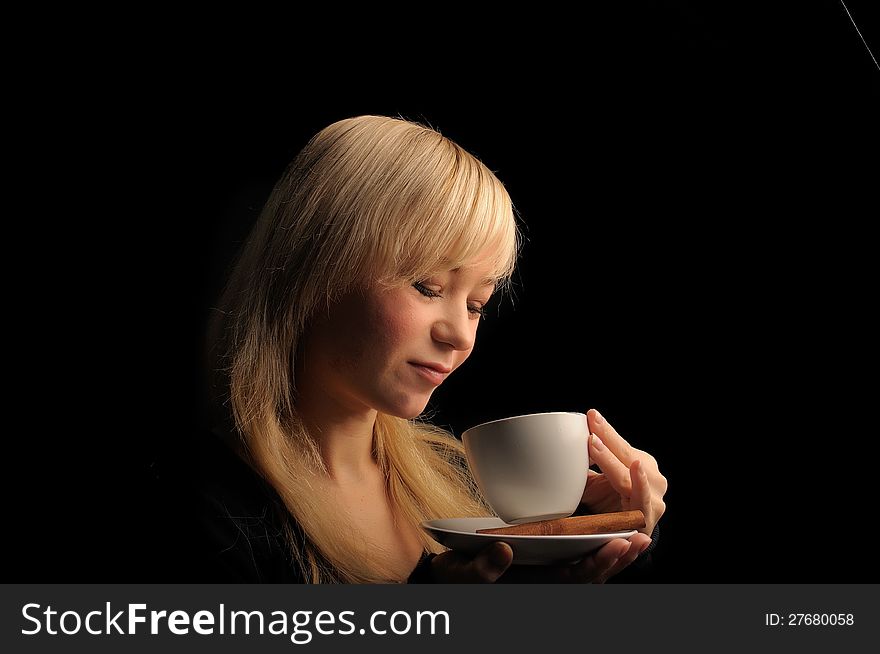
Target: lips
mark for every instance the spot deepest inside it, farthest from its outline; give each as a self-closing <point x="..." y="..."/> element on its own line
<point x="439" y="367"/>
<point x="434" y="373"/>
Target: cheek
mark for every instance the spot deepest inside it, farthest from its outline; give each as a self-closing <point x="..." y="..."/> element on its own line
<point x="394" y="328"/>
<point x="379" y="333"/>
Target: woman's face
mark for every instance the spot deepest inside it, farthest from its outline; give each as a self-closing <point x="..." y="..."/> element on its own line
<point x="376" y="349"/>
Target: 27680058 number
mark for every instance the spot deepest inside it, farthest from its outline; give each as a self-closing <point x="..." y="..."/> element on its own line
<point x="808" y="619"/>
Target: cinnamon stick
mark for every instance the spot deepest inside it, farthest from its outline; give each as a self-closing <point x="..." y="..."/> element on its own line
<point x="600" y="523"/>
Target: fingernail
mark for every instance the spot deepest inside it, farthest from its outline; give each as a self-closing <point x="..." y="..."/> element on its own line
<point x="599" y="418"/>
<point x="644" y="547"/>
<point x="597" y="443"/>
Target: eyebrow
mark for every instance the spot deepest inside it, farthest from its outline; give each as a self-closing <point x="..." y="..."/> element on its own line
<point x="486" y="281"/>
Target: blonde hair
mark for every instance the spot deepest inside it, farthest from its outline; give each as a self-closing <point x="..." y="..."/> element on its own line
<point x="368" y="198"/>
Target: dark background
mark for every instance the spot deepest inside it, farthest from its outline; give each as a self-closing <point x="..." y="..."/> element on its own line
<point x="695" y="187"/>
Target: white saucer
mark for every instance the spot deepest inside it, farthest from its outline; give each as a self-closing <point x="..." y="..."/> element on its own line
<point x="460" y="534"/>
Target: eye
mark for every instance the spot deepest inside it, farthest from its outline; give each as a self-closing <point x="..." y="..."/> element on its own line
<point x="424" y="290"/>
<point x="480" y="312"/>
<point x="474" y="310"/>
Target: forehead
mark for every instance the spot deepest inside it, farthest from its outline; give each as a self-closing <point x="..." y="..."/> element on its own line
<point x="478" y="274"/>
<point x="478" y="271"/>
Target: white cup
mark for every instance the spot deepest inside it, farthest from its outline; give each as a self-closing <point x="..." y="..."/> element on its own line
<point x="531" y="467"/>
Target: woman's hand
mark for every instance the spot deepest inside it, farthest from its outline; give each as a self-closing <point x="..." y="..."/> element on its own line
<point x="493" y="563"/>
<point x="629" y="479"/>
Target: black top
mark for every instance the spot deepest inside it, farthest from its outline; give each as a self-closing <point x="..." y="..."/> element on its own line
<point x="236" y="519"/>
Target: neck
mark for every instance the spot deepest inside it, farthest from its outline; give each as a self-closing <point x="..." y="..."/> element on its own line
<point x="343" y="433"/>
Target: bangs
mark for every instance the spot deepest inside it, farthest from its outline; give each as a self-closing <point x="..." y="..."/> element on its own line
<point x="458" y="213"/>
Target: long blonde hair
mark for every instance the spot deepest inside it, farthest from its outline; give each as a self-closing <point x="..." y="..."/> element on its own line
<point x="368" y="198"/>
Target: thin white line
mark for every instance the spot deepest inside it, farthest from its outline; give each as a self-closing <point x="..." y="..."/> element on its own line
<point x="860" y="34"/>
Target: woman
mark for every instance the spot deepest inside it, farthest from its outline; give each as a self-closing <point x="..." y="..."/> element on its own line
<point x="359" y="291"/>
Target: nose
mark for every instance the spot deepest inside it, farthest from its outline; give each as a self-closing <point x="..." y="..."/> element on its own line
<point x="455" y="328"/>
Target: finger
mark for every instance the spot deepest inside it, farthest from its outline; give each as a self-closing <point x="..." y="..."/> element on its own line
<point x="594" y="569"/>
<point x="492" y="562"/>
<point x="590" y="568"/>
<point x="612" y="468"/>
<point x="641" y="487"/>
<point x="613" y="441"/>
<point x="600" y="496"/>
<point x="641" y="497"/>
<point x="459" y="568"/>
<point x="638" y="544"/>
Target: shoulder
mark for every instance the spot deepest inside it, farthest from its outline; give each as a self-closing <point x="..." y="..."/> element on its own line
<point x="238" y="523"/>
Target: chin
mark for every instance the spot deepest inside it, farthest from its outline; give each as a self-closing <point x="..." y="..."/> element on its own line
<point x="409" y="414"/>
<point x="407" y="410"/>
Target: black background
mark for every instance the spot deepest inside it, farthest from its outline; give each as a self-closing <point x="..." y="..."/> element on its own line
<point x="696" y="187"/>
